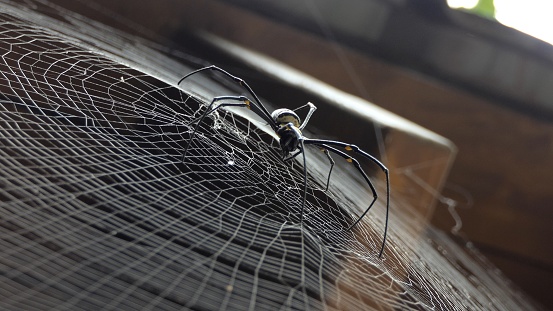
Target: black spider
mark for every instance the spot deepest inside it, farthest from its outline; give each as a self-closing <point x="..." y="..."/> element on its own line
<point x="287" y="126"/>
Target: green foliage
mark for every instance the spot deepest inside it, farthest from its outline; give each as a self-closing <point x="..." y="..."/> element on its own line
<point x="484" y="8"/>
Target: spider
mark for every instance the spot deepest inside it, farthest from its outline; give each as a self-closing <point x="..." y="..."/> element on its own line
<point x="287" y="126"/>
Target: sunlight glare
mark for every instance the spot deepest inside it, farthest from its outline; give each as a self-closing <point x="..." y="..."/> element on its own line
<point x="466" y="4"/>
<point x="531" y="16"/>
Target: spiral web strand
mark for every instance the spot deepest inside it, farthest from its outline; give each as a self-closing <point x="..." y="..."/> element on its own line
<point x="99" y="212"/>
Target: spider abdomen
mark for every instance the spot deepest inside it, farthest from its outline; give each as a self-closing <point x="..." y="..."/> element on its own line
<point x="290" y="137"/>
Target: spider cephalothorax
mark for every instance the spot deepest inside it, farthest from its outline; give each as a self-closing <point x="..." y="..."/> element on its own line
<point x="288" y="126"/>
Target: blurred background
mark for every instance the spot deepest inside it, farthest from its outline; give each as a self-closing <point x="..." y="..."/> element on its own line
<point x="454" y="67"/>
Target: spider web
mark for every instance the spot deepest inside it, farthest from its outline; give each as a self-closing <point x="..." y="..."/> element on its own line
<point x="99" y="210"/>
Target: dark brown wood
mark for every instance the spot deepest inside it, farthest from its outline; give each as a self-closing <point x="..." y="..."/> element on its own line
<point x="505" y="157"/>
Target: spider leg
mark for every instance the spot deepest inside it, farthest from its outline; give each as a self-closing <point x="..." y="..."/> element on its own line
<point x="312" y="109"/>
<point x="331" y="160"/>
<point x="358" y="167"/>
<point x="290" y="157"/>
<point x="258" y="106"/>
<point x="244" y="102"/>
<point x="304" y="181"/>
<point x="326" y="144"/>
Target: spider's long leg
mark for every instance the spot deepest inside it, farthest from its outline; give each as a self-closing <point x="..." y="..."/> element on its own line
<point x="290" y="157"/>
<point x="260" y="109"/>
<point x="304" y="182"/>
<point x="301" y="149"/>
<point x="244" y="102"/>
<point x="325" y="150"/>
<point x="312" y="109"/>
<point x="349" y="147"/>
<point x="360" y="169"/>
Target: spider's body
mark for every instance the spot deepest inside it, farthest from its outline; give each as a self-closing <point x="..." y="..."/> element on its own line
<point x="288" y="126"/>
<point x="290" y="137"/>
<point x="283" y="116"/>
